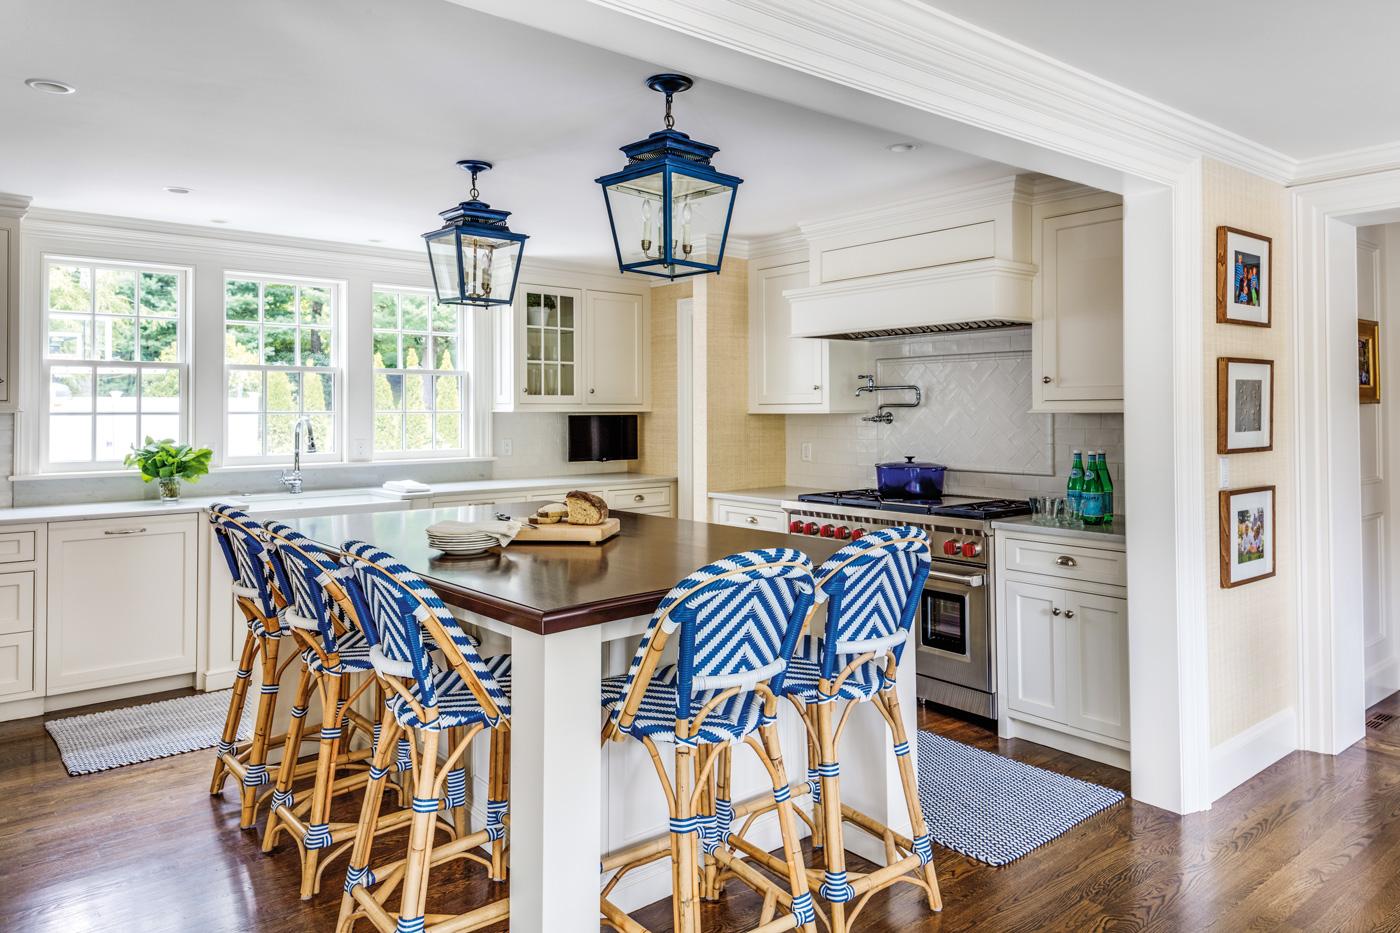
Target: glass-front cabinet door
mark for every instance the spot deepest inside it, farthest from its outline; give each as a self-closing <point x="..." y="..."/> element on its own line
<point x="547" y="328"/>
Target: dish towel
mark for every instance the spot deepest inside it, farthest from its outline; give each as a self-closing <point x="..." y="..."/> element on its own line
<point x="503" y="531"/>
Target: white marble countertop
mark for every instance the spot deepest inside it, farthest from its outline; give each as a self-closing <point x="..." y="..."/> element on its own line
<point x="314" y="502"/>
<point x="764" y="495"/>
<point x="1114" y="536"/>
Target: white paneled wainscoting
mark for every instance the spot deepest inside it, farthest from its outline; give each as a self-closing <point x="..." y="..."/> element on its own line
<point x="964" y="377"/>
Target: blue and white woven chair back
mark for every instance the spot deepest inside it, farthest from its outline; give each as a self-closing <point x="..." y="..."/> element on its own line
<point x="398" y="604"/>
<point x="302" y="569"/>
<point x="244" y="546"/>
<point x="738" y="620"/>
<point x="872" y="589"/>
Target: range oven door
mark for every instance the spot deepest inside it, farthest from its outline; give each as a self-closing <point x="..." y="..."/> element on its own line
<point x="954" y="628"/>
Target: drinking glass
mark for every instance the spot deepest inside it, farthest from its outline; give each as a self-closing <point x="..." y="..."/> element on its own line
<point x="1072" y="515"/>
<point x="1040" y="507"/>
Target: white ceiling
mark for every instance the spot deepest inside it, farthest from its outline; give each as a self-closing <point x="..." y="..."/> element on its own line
<point x="1302" y="77"/>
<point x="342" y="120"/>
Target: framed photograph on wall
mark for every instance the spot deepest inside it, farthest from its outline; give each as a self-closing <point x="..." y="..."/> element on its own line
<point x="1244" y="405"/>
<point x="1368" y="362"/>
<point x="1246" y="535"/>
<point x="1243" y="278"/>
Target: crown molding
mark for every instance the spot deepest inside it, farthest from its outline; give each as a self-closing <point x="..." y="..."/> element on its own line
<point x="912" y="53"/>
<point x="1367" y="160"/>
<point x="13" y="205"/>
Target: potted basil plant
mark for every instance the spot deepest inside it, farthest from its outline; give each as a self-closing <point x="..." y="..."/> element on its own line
<point x="167" y="463"/>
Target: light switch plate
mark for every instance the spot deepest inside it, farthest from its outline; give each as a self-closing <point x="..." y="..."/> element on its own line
<point x="807" y="452"/>
<point x="1224" y="472"/>
<point x="359" y="449"/>
<point x="507" y="448"/>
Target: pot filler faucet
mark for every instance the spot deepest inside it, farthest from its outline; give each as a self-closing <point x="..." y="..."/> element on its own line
<point x="882" y="414"/>
<point x="292" y="480"/>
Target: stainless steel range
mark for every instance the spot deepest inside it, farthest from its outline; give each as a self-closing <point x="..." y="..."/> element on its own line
<point x="956" y="656"/>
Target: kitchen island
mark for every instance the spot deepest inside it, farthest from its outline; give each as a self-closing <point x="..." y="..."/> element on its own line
<point x="571" y="614"/>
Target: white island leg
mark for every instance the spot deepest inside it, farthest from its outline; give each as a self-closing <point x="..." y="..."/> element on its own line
<point x="555" y="781"/>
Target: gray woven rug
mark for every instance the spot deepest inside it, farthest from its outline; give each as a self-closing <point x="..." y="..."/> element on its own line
<point x="111" y="739"/>
<point x="994" y="809"/>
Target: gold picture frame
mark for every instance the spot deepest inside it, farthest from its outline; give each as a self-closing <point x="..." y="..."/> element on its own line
<point x="1368" y="361"/>
<point x="1244" y="270"/>
<point x="1247" y="539"/>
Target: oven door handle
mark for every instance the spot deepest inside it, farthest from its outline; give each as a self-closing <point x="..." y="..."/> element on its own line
<point x="971" y="582"/>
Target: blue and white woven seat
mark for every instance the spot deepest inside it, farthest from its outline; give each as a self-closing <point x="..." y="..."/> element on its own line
<point x="737" y="621"/>
<point x="872" y="589"/>
<point x="243" y="543"/>
<point x="430" y="706"/>
<point x="353" y="651"/>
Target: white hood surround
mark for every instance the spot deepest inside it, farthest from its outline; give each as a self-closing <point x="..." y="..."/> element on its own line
<point x="954" y="261"/>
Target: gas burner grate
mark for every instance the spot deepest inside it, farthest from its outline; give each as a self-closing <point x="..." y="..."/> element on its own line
<point x="1380" y="720"/>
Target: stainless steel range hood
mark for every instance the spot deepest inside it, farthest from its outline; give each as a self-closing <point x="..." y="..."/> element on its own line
<point x="972" y="295"/>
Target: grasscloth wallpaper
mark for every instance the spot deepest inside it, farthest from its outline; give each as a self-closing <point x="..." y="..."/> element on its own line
<point x="657" y="443"/>
<point x="1252" y="630"/>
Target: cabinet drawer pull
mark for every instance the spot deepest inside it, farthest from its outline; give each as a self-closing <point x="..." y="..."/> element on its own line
<point x="1065" y="561"/>
<point x="753" y="519"/>
<point x="1069" y="613"/>
<point x="124" y="531"/>
<point x="639" y="498"/>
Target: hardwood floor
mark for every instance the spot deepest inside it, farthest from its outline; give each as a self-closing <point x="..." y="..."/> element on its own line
<point x="1313" y="843"/>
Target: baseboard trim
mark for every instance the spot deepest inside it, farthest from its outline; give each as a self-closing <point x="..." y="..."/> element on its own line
<point x="1242" y="756"/>
<point x="1382" y="680"/>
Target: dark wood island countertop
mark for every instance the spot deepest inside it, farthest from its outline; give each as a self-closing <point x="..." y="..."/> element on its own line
<point x="547" y="588"/>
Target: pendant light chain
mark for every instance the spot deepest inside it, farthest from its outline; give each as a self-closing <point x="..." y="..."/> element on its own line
<point x="670" y="120"/>
<point x="474" y="193"/>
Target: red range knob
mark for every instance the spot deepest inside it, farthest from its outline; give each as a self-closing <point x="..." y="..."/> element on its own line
<point x="951" y="548"/>
<point x="828" y="531"/>
<point x="843" y="532"/>
<point x="971" y="549"/>
<point x="795" y="526"/>
<point x="810" y="528"/>
<point x="858" y="534"/>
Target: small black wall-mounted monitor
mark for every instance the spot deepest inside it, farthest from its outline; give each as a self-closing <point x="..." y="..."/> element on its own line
<point x="602" y="437"/>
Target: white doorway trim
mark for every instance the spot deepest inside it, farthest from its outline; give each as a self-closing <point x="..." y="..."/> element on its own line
<point x="685" y="410"/>
<point x="1331" y="655"/>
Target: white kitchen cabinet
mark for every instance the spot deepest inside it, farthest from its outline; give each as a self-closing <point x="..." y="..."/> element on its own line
<point x="744" y="514"/>
<point x="572" y="349"/>
<point x="797" y="375"/>
<point x="122" y="600"/>
<point x="1078" y="312"/>
<point x="1062" y="636"/>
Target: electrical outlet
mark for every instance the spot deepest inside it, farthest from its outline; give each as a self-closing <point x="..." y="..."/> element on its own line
<point x="507" y="448"/>
<point x="1224" y="472"/>
<point x="359" y="449"/>
<point x="807" y="452"/>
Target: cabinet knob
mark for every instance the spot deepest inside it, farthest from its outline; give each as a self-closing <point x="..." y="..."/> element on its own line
<point x="816" y="388"/>
<point x="591" y="391"/>
<point x="1046" y="379"/>
<point x="753" y="519"/>
<point x="1064" y="561"/>
<point x="1054" y="610"/>
<point x="1069" y="613"/>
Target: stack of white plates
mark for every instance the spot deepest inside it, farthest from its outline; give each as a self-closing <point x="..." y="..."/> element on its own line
<point x="463" y="543"/>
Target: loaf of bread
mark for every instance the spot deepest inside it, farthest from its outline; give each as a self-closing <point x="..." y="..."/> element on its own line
<point x="585" y="508"/>
<point x="550" y="514"/>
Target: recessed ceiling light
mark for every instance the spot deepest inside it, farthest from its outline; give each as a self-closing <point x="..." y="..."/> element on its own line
<point x="902" y="147"/>
<point x="217" y="220"/>
<point x="49" y="86"/>
<point x="176" y="189"/>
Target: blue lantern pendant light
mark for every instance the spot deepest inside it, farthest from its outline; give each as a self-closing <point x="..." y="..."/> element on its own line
<point x="669" y="201"/>
<point x="474" y="256"/>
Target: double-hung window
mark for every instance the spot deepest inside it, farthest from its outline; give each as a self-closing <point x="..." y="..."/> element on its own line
<point x="114" y="360"/>
<point x="420" y="379"/>
<point x="280" y="365"/>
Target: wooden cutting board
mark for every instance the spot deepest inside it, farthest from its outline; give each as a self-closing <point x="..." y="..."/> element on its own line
<point x="563" y="532"/>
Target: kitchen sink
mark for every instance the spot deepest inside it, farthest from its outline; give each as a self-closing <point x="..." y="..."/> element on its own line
<point x="328" y="502"/>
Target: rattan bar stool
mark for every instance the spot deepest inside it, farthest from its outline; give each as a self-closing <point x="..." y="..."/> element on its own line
<point x="242" y="541"/>
<point x="405" y="621"/>
<point x="871" y="589"/>
<point x="336" y="666"/>
<point x="737" y="621"/>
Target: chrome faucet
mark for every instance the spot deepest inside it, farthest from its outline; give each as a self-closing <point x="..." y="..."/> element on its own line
<point x="292" y="480"/>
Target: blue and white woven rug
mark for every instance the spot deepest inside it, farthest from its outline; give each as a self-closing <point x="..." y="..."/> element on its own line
<point x="994" y="809"/>
<point x="117" y="737"/>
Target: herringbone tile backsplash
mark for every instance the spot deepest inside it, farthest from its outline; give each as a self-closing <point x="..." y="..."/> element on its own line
<point x="974" y="418"/>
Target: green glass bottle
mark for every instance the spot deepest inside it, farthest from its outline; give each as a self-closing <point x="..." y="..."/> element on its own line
<point x="1074" y="489"/>
<point x="1092" y="497"/>
<point x="1107" y="482"/>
